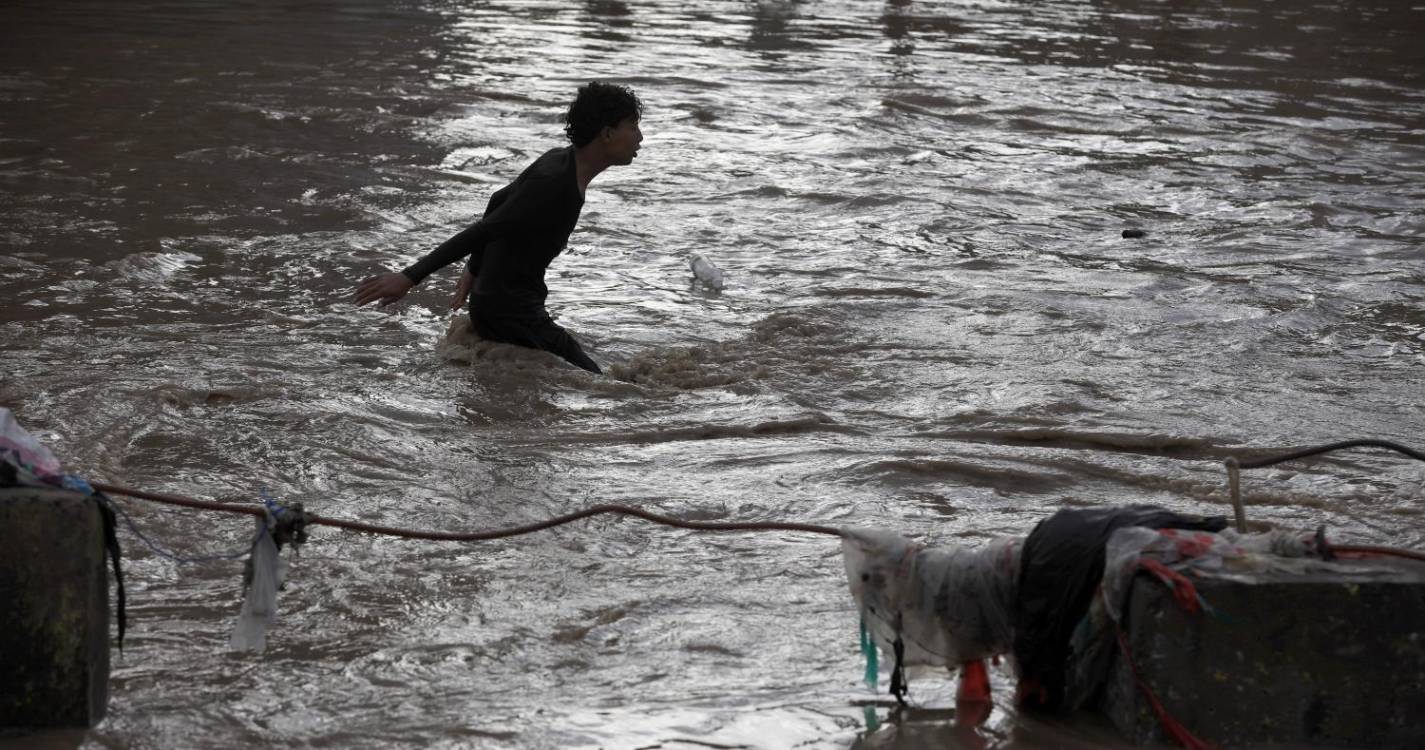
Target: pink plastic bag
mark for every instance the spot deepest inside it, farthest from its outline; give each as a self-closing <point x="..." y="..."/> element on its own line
<point x="20" y="448"/>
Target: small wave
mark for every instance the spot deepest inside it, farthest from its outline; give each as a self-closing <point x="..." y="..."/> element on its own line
<point x="10" y="261"/>
<point x="924" y="104"/>
<point x="999" y="478"/>
<point x="781" y="340"/>
<point x="703" y="115"/>
<point x="607" y="616"/>
<point x="1210" y="489"/>
<point x="981" y="264"/>
<point x="461" y="344"/>
<point x="216" y="155"/>
<point x="716" y="649"/>
<point x="1177" y="446"/>
<point x="895" y="291"/>
<point x="688" y="368"/>
<point x="778" y="326"/>
<point x="869" y="200"/>
<point x="150" y="267"/>
<point x="761" y="191"/>
<point x="183" y="397"/>
<point x="803" y="425"/>
<point x="469" y="157"/>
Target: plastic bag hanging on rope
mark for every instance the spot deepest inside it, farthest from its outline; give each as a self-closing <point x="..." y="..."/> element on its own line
<point x="262" y="579"/>
<point x="945" y="606"/>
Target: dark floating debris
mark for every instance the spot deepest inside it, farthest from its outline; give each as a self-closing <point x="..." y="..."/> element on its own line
<point x="1133" y="234"/>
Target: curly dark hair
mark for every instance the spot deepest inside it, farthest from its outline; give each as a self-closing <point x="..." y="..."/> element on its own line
<point x="597" y="106"/>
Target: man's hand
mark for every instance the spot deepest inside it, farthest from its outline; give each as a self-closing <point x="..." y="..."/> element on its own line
<point x="462" y="290"/>
<point x="388" y="288"/>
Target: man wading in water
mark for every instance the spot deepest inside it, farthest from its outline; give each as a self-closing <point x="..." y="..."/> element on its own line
<point x="526" y="224"/>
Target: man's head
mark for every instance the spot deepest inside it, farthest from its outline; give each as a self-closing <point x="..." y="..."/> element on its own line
<point x="608" y="114"/>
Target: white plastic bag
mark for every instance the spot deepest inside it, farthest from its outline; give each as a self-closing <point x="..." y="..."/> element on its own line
<point x="948" y="605"/>
<point x="704" y="271"/>
<point x="259" y="603"/>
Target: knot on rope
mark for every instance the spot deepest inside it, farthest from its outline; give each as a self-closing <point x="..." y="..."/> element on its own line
<point x="287" y="522"/>
<point x="290" y="526"/>
<point x="281" y="524"/>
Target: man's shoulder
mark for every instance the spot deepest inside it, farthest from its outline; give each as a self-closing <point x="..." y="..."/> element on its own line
<point x="549" y="178"/>
<point x="552" y="164"/>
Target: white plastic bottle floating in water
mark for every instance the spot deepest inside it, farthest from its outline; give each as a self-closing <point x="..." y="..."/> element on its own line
<point x="704" y="271"/>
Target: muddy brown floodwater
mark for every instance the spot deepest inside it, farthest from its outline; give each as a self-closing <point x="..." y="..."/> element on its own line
<point x="932" y="322"/>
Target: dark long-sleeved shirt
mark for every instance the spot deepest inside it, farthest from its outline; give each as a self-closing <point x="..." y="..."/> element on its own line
<point x="526" y="224"/>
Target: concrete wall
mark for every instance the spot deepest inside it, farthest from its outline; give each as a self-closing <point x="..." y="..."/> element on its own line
<point x="1324" y="659"/>
<point x="54" y="610"/>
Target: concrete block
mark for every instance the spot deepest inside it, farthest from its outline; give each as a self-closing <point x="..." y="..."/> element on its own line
<point x="54" y="610"/>
<point x="1331" y="658"/>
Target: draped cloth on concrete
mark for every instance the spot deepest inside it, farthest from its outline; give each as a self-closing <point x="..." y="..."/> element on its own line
<point x="1174" y="557"/>
<point x="933" y="607"/>
<point x="955" y="606"/>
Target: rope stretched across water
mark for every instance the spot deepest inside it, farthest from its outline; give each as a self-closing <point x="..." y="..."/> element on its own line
<point x="477" y="536"/>
<point x="1306" y="452"/>
<point x="549" y="523"/>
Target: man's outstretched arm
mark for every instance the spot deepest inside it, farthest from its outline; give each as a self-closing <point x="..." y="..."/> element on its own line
<point x="470" y="240"/>
<point x="391" y="287"/>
